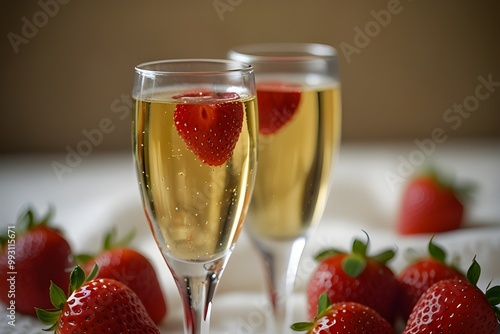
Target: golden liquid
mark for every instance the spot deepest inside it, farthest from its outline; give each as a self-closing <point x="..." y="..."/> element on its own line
<point x="295" y="165"/>
<point x="195" y="210"/>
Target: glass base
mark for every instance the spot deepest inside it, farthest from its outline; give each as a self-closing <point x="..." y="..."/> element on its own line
<point x="281" y="260"/>
<point x="197" y="282"/>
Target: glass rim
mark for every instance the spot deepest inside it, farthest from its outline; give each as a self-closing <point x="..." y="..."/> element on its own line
<point x="233" y="66"/>
<point x="287" y="51"/>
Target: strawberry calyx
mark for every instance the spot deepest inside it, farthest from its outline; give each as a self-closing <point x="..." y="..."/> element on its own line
<point x="324" y="306"/>
<point x="58" y="297"/>
<point x="439" y="254"/>
<point x="355" y="262"/>
<point x="434" y="252"/>
<point x="463" y="191"/>
<point x="111" y="241"/>
<point x="492" y="294"/>
<point x="28" y="220"/>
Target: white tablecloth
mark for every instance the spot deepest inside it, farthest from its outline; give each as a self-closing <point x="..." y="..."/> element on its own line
<point x="92" y="195"/>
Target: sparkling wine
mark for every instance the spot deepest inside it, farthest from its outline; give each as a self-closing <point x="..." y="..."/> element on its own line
<point x="294" y="167"/>
<point x="194" y="208"/>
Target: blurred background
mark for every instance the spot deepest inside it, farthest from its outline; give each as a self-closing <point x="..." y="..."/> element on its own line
<point x="407" y="67"/>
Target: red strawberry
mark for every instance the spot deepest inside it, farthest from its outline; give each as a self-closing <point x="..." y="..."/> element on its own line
<point x="132" y="269"/>
<point x="430" y="205"/>
<point x="34" y="255"/>
<point x="277" y="103"/>
<point x="355" y="277"/>
<point x="456" y="306"/>
<point x="345" y="318"/>
<point x="96" y="306"/>
<point x="209" y="128"/>
<point x="418" y="276"/>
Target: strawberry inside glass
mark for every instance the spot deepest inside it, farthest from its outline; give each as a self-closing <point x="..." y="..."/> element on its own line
<point x="209" y="123"/>
<point x="277" y="103"/>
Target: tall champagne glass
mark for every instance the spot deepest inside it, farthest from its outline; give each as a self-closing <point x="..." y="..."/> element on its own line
<point x="195" y="147"/>
<point x="298" y="93"/>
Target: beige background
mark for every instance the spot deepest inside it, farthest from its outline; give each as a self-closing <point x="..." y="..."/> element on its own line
<point x="69" y="74"/>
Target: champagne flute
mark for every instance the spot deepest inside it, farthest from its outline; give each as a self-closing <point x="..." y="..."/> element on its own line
<point x="195" y="147"/>
<point x="298" y="94"/>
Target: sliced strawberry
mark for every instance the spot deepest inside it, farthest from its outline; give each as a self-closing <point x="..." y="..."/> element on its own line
<point x="277" y="104"/>
<point x="210" y="129"/>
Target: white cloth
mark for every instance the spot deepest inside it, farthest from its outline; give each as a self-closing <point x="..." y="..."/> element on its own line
<point x="101" y="191"/>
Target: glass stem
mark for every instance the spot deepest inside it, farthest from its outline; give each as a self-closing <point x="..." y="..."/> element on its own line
<point x="197" y="283"/>
<point x="281" y="261"/>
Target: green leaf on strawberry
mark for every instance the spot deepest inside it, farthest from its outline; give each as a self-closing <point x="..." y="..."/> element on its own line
<point x="58" y="296"/>
<point x="95" y="306"/>
<point x="28" y="220"/>
<point x="492" y="294"/>
<point x="354" y="276"/>
<point x="111" y="241"/>
<point x="323" y="305"/>
<point x="344" y="317"/>
<point x="422" y="271"/>
<point x="474" y="272"/>
<point x="355" y="263"/>
<point x="436" y="252"/>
